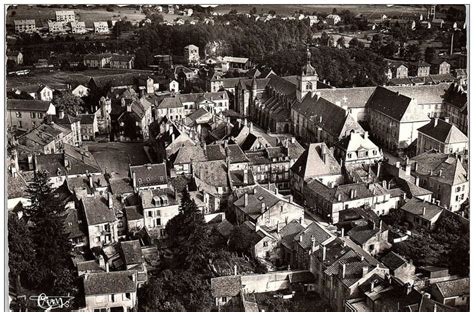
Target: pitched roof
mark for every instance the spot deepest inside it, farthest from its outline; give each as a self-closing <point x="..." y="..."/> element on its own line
<point x="150" y="174"/>
<point x="226" y="286"/>
<point x="443" y="131"/>
<point x="131" y="252"/>
<point x="442" y="167"/>
<point x="282" y="85"/>
<point x="97" y="210"/>
<point x="87" y="119"/>
<point x="28" y="105"/>
<point x="212" y="173"/>
<point x="257" y="198"/>
<point x="132" y="213"/>
<point x="350" y="97"/>
<point x="122" y="58"/>
<point x="170" y="102"/>
<point x="454" y="288"/>
<point x="311" y="163"/>
<point x="417" y="206"/>
<point x="189" y="153"/>
<point x="109" y="283"/>
<point x="393" y="260"/>
<point x="215" y="152"/>
<point x="314" y="233"/>
<point x="355" y="142"/>
<point x="389" y="103"/>
<point x="361" y="234"/>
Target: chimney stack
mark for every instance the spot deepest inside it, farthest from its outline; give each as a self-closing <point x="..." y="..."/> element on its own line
<point x="397" y="164"/>
<point x="343" y="270"/>
<point x="106" y="267"/>
<point x="353" y="193"/>
<point x="366" y="135"/>
<point x="323" y="153"/>
<point x="342" y="232"/>
<point x="324" y="252"/>
<point x="61" y="114"/>
<point x="246" y="177"/>
<point x="111" y="202"/>
<point x="424" y="210"/>
<point x="91" y="182"/>
<point x="246" y="199"/>
<point x="262" y="208"/>
<point x="417" y="181"/>
<point x="379" y="165"/>
<point x="436" y="121"/>
<point x="235" y="269"/>
<point x="134" y="180"/>
<point x="365" y="270"/>
<point x="301" y="238"/>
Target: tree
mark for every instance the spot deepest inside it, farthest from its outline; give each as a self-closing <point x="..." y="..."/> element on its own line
<point x="54" y="268"/>
<point x="430" y="54"/>
<point x="240" y="240"/>
<point x="459" y="256"/>
<point x="341" y="42"/>
<point x="355" y="43"/>
<point x="21" y="253"/>
<point x="253" y="11"/>
<point x="412" y="52"/>
<point x="69" y="103"/>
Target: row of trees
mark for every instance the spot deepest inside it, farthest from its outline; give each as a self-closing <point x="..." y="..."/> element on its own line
<point x="39" y="248"/>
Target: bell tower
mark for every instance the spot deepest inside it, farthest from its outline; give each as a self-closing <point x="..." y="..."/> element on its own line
<point x="308" y="80"/>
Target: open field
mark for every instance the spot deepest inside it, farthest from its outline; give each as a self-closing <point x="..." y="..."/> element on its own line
<point x="288" y="9"/>
<point x="89" y="14"/>
<point x="61" y="77"/>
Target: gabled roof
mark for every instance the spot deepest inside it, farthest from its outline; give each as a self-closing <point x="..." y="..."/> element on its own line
<point x="311" y="164"/>
<point x="361" y="234"/>
<point x="389" y="103"/>
<point x="282" y="85"/>
<point x="444" y="168"/>
<point x="417" y="206"/>
<point x="109" y="283"/>
<point x="170" y="102"/>
<point x="355" y="142"/>
<point x="189" y="153"/>
<point x="131" y="252"/>
<point x="393" y="260"/>
<point x="212" y="173"/>
<point x="28" y="105"/>
<point x="150" y="174"/>
<point x="443" y="131"/>
<point x="453" y="288"/>
<point x="255" y="200"/>
<point x="314" y="233"/>
<point x="97" y="210"/>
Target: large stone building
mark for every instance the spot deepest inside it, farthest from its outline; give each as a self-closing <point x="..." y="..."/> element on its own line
<point x="443" y="137"/>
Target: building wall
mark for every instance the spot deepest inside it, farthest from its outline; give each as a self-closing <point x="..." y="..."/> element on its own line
<point x="105" y="301"/>
<point x="426" y="143"/>
<point x="98" y="239"/>
<point x="24" y="120"/>
<point x="157" y="217"/>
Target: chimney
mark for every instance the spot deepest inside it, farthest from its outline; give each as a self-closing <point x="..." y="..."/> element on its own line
<point x="301" y="220"/>
<point x="342" y="232"/>
<point x="353" y="193"/>
<point x="276" y="190"/>
<point x="262" y="209"/>
<point x="101" y="262"/>
<point x="366" y="135"/>
<point x="339" y="197"/>
<point x="246" y="199"/>
<point x="365" y="270"/>
<point x="278" y="227"/>
<point x="106" y="267"/>
<point x="397" y="164"/>
<point x="379" y="166"/>
<point x="343" y="270"/>
<point x="235" y="269"/>
<point x="246" y="177"/>
<point x="61" y="114"/>
<point x="134" y="180"/>
<point x="91" y="182"/>
<point x="440" y="172"/>
<point x="324" y="252"/>
<point x="408" y="169"/>
<point x="424" y="211"/>
<point x="290" y="198"/>
<point x="301" y="238"/>
<point x="251" y="126"/>
<point x="417" y="181"/>
<point x="415" y="166"/>
<point x="323" y="153"/>
<point x="435" y="122"/>
<point x="293" y="139"/>
<point x="372" y="285"/>
<point x="384" y="184"/>
<point x="446" y="119"/>
<point x="111" y="202"/>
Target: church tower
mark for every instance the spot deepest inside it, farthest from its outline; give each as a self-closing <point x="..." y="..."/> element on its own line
<point x="308" y="80"/>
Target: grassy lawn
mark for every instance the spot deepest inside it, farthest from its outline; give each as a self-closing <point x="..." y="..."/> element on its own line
<point x="115" y="156"/>
<point x="61" y="77"/>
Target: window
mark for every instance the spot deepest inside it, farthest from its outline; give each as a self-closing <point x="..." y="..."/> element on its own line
<point x="33" y="115"/>
<point x="19" y="124"/>
<point x="18" y="114"/>
<point x="40" y="115"/>
<point x="309" y="86"/>
<point x="112" y="298"/>
<point x="127" y="295"/>
<point x="265" y="244"/>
